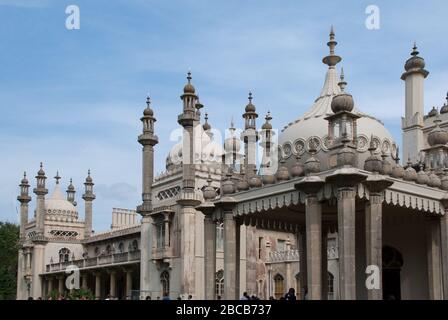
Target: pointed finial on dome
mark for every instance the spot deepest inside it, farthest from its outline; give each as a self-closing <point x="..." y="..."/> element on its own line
<point x="57" y="177"/>
<point x="342" y="83"/>
<point x="250" y="96"/>
<point x="206" y="126"/>
<point x="332" y="59"/>
<point x="41" y="171"/>
<point x="232" y="125"/>
<point x="148" y="101"/>
<point x="189" y="76"/>
<point x="414" y="50"/>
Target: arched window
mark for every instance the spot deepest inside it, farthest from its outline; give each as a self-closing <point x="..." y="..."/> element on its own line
<point x="330" y="286"/>
<point x="121" y="247"/>
<point x="279" y="289"/>
<point x="220" y="236"/>
<point x="97" y="251"/>
<point x="219" y="283"/>
<point x="165" y="281"/>
<point x="64" y="255"/>
<point x="108" y="249"/>
<point x="134" y="245"/>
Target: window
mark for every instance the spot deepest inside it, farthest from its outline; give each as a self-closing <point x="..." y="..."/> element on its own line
<point x="219" y="283"/>
<point x="260" y="246"/>
<point x="220" y="236"/>
<point x="165" y="282"/>
<point x="281" y="245"/>
<point x="330" y="286"/>
<point x="121" y="247"/>
<point x="64" y="255"/>
<point x="134" y="245"/>
<point x="108" y="249"/>
<point x="279" y="289"/>
<point x="97" y="251"/>
<point x="160" y="233"/>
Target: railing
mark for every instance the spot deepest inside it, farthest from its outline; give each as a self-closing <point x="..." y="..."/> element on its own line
<point x="96" y="261"/>
<point x="162" y="253"/>
<point x="284" y="256"/>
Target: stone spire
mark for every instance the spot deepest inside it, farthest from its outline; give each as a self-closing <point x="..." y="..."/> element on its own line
<point x="88" y="197"/>
<point x="40" y="192"/>
<point x="331" y="60"/>
<point x="250" y="136"/>
<point x="24" y="198"/>
<point x="266" y="143"/>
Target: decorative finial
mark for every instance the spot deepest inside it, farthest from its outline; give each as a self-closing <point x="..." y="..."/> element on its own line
<point x="414" y="50"/>
<point x="71" y="180"/>
<point x="342" y="84"/>
<point x="88" y="172"/>
<point x="232" y="126"/>
<point x="250" y="97"/>
<point x="24" y="175"/>
<point x="148" y="101"/>
<point x="332" y="59"/>
<point x="206" y="117"/>
<point x="268" y="116"/>
<point x="189" y="76"/>
<point x="57" y="177"/>
<point x="41" y="165"/>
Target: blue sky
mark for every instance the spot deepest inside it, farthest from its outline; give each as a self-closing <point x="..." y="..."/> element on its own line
<point x="73" y="99"/>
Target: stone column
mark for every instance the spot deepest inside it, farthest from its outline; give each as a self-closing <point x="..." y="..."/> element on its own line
<point x="210" y="256"/>
<point x="311" y="185"/>
<point x="434" y="259"/>
<point x="84" y="281"/>
<point x="50" y="284"/>
<point x="167" y="229"/>
<point x="324" y="262"/>
<point x="113" y="284"/>
<point x="303" y="258"/>
<point x="230" y="258"/>
<point x="97" y="285"/>
<point x="444" y="248"/>
<point x="128" y="284"/>
<point x="61" y="284"/>
<point x="376" y="185"/>
<point x="38" y="269"/>
<point x="146" y="244"/>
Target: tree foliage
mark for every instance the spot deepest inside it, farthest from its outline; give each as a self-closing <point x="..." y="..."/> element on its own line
<point x="9" y="246"/>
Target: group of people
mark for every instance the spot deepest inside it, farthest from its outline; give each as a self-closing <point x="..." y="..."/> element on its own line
<point x="290" y="295"/>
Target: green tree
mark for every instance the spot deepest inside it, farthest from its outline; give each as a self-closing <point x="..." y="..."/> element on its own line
<point x="9" y="246"/>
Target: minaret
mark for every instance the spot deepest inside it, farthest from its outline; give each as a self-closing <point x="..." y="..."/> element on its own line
<point x="148" y="140"/>
<point x="71" y="193"/>
<point x="412" y="123"/>
<point x="40" y="192"/>
<point x="266" y="143"/>
<point x="188" y="200"/>
<point x="24" y="198"/>
<point x="332" y="60"/>
<point x="88" y="197"/>
<point x="232" y="146"/>
<point x="250" y="137"/>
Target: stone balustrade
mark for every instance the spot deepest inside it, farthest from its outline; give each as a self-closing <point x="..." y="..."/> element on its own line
<point x="293" y="255"/>
<point x="96" y="261"/>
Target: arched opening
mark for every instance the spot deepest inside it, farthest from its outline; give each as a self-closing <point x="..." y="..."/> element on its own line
<point x="219" y="283"/>
<point x="279" y="286"/>
<point x="392" y="264"/>
<point x="64" y="255"/>
<point x="299" y="289"/>
<point x="165" y="281"/>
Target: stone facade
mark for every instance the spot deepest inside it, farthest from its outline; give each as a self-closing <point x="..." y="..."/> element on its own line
<point x="338" y="218"/>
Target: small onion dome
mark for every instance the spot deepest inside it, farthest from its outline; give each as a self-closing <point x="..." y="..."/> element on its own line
<point x="242" y="184"/>
<point x="282" y="172"/>
<point x="255" y="181"/>
<point x="41" y="171"/>
<point x="398" y="171"/>
<point x="437" y="135"/>
<point x="148" y="112"/>
<point x="228" y="187"/>
<point x="422" y="177"/>
<point x="373" y="163"/>
<point x="206" y="126"/>
<point x="434" y="180"/>
<point x="415" y="62"/>
<point x="444" y="109"/>
<point x="386" y="166"/>
<point x="189" y="88"/>
<point x="267" y="125"/>
<point x="433" y="112"/>
<point x="410" y="174"/>
<point x="444" y="180"/>
<point x="89" y="178"/>
<point x="343" y="101"/>
<point x="312" y="165"/>
<point x="24" y="180"/>
<point x="209" y="192"/>
<point x="71" y="187"/>
<point x="250" y="107"/>
<point x="297" y="169"/>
